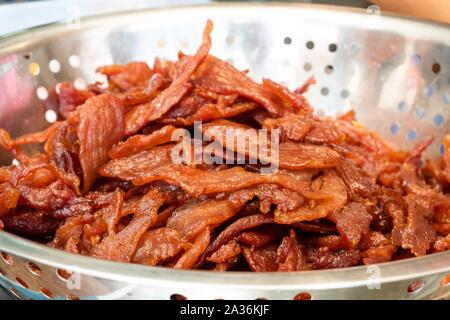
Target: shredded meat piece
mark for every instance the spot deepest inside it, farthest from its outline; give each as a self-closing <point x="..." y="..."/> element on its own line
<point x="35" y="224"/>
<point x="191" y="164"/>
<point x="145" y="113"/>
<point x="261" y="259"/>
<point x="377" y="248"/>
<point x="289" y="254"/>
<point x="291" y="155"/>
<point x="70" y="98"/>
<point x="261" y="235"/>
<point x="137" y="143"/>
<point x="293" y="126"/>
<point x="190" y="257"/>
<point x="418" y="233"/>
<point x="226" y="252"/>
<point x="127" y="76"/>
<point x="235" y="228"/>
<point x="268" y="194"/>
<point x="193" y="217"/>
<point x="121" y="246"/>
<point x="100" y="125"/>
<point x="324" y="258"/>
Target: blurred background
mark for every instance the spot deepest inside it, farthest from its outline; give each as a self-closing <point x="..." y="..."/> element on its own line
<point x="19" y="14"/>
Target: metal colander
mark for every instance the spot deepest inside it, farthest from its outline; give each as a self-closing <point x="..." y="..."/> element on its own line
<point x="393" y="72"/>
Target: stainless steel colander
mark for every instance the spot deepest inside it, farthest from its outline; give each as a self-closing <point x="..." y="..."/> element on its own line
<point x="394" y="72"/>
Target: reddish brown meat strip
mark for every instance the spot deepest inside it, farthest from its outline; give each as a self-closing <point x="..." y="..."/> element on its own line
<point x="261" y="259"/>
<point x="191" y="164"/>
<point x="100" y="125"/>
<point x="221" y="77"/>
<point x="138" y="143"/>
<point x="293" y="126"/>
<point x="352" y="222"/>
<point x="190" y="219"/>
<point x="237" y="227"/>
<point x="329" y="184"/>
<point x="226" y="252"/>
<point x="190" y="257"/>
<point x="289" y="254"/>
<point x="121" y="246"/>
<point x="324" y="258"/>
<point x="70" y="98"/>
<point x="127" y="76"/>
<point x="292" y="155"/>
<point x="261" y="235"/>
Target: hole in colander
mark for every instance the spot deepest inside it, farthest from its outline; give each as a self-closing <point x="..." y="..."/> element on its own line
<point x="7" y="258"/>
<point x="436" y="68"/>
<point x="303" y="296"/>
<point x="438" y="119"/>
<point x="441" y="149"/>
<point x="15" y="293"/>
<point x="80" y="84"/>
<point x="42" y="93"/>
<point x="27" y="55"/>
<point x="72" y="297"/>
<point x="412" y="135"/>
<point x="74" y="61"/>
<point x="416" y="58"/>
<point x="229" y="39"/>
<point x="428" y="91"/>
<point x="324" y="91"/>
<point x="416" y="286"/>
<point x="420" y="112"/>
<point x="54" y="66"/>
<point x="402" y="105"/>
<point x="46" y="292"/>
<point x="345" y="94"/>
<point x="34" y="269"/>
<point x="307" y="66"/>
<point x="50" y="116"/>
<point x="310" y="45"/>
<point x="177" y="296"/>
<point x="21" y="282"/>
<point x="332" y="47"/>
<point x="63" y="274"/>
<point x="287" y="40"/>
<point x="446" y="98"/>
<point x="329" y="69"/>
<point x="445" y="281"/>
<point x="34" y="69"/>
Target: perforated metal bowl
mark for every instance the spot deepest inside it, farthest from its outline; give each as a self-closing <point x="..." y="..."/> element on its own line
<point x="394" y="72"/>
